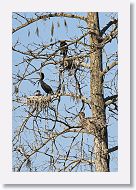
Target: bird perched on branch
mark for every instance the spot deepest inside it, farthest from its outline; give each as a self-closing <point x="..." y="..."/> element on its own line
<point x="45" y="86"/>
<point x="63" y="48"/>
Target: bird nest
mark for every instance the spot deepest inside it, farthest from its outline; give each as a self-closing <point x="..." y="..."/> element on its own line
<point x="38" y="102"/>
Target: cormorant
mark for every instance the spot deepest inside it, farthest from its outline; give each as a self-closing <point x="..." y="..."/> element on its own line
<point x="45" y="86"/>
<point x="37" y="93"/>
<point x="63" y="48"/>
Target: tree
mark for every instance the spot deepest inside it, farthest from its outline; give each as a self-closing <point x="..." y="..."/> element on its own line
<point x="67" y="130"/>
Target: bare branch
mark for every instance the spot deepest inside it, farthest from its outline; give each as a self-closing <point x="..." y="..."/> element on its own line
<point x="109" y="24"/>
<point x="109" y="67"/>
<point x="111" y="99"/>
<point x="47" y="16"/>
<point x="109" y="37"/>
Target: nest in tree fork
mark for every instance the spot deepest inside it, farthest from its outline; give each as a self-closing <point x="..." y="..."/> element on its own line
<point x="38" y="102"/>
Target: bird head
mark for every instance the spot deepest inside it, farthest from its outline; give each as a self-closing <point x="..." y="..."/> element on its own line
<point x="41" y="75"/>
<point x="37" y="93"/>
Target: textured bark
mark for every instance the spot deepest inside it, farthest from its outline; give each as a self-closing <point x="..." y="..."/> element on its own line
<point x="97" y="98"/>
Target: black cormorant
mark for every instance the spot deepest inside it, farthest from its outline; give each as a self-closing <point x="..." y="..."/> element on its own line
<point x="63" y="48"/>
<point x="45" y="86"/>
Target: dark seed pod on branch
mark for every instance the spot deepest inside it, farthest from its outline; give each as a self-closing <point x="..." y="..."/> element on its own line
<point x="28" y="163"/>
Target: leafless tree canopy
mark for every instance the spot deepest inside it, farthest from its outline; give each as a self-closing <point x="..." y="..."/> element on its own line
<point x="63" y="130"/>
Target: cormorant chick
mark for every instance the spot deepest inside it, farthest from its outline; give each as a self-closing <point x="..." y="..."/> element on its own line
<point x="69" y="64"/>
<point x="63" y="48"/>
<point x="37" y="93"/>
<point x="45" y="86"/>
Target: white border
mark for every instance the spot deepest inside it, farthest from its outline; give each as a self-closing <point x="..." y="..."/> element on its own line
<point x="6" y="174"/>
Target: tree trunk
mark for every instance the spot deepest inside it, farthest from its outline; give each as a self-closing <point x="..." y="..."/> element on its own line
<point x="97" y="98"/>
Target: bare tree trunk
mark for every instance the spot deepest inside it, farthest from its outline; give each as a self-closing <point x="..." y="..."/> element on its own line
<point x="97" y="98"/>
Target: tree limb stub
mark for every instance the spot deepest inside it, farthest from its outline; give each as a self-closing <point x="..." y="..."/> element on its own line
<point x="113" y="149"/>
<point x="111" y="99"/>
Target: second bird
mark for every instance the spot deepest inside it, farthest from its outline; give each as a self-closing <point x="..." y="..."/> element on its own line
<point x="45" y="86"/>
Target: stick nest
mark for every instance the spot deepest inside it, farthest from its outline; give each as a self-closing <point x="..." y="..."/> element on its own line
<point x="38" y="102"/>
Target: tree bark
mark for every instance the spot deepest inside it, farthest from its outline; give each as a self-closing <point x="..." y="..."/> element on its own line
<point x="97" y="98"/>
